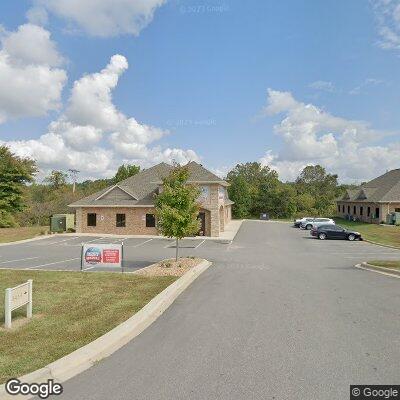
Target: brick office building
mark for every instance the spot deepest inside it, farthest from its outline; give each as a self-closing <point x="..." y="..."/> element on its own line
<point x="373" y="201"/>
<point x="127" y="208"/>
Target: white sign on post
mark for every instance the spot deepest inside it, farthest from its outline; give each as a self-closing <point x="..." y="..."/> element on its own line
<point x="102" y="254"/>
<point x="17" y="297"/>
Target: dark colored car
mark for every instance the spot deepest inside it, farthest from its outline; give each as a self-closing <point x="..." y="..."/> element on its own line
<point x="335" y="232"/>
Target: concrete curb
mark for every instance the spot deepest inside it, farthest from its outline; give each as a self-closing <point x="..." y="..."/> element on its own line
<point x="85" y="357"/>
<point x="382" y="270"/>
<point x="380" y="244"/>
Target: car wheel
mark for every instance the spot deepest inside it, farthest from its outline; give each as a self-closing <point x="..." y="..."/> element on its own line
<point x="322" y="236"/>
<point x="308" y="227"/>
<point x="351" y="237"/>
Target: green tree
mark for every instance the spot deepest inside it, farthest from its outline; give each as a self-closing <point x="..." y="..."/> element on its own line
<point x="15" y="173"/>
<point x="240" y="193"/>
<point x="56" y="179"/>
<point x="177" y="207"/>
<point x="255" y="179"/>
<point x="125" y="171"/>
<point x="323" y="187"/>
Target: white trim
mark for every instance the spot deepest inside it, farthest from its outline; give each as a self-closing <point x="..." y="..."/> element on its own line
<point x="111" y="189"/>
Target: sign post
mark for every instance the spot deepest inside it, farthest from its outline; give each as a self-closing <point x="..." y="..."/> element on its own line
<point x="17" y="297"/>
<point x="101" y="255"/>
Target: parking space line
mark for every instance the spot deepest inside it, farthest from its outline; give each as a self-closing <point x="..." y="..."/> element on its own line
<point x="93" y="240"/>
<point x="62" y="241"/>
<point x="200" y="244"/>
<point x="141" y="244"/>
<point x="52" y="263"/>
<point x="20" y="259"/>
<point x="119" y="240"/>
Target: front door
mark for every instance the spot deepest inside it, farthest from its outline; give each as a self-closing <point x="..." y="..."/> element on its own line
<point x="202" y="218"/>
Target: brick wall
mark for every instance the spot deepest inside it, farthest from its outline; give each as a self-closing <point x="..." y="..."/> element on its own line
<point x="106" y="220"/>
<point x="384" y="210"/>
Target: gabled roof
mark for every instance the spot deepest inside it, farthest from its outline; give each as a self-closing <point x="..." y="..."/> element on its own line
<point x="143" y="186"/>
<point x="199" y="174"/>
<point x="385" y="188"/>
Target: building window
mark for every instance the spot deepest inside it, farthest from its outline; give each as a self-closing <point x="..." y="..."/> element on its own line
<point x="91" y="219"/>
<point x="397" y="210"/>
<point x="348" y="210"/>
<point x="377" y="212"/>
<point x="361" y="210"/>
<point x="121" y="221"/>
<point x="368" y="211"/>
<point x="150" y="221"/>
<point x="343" y="209"/>
<point x="355" y="210"/>
<point x="338" y="207"/>
<point x="204" y="193"/>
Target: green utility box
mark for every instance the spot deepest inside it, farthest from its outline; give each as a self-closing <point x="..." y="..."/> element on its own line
<point x="62" y="222"/>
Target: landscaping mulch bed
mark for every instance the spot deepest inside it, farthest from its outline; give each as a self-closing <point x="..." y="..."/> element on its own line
<point x="170" y="267"/>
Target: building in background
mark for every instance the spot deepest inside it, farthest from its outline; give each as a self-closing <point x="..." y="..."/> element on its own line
<point x="375" y="202"/>
<point x="127" y="208"/>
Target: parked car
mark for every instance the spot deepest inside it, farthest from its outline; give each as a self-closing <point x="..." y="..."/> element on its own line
<point x="316" y="222"/>
<point x="334" y="232"/>
<point x="298" y="221"/>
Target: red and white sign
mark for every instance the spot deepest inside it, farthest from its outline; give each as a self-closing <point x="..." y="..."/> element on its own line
<point x="111" y="256"/>
<point x="101" y="254"/>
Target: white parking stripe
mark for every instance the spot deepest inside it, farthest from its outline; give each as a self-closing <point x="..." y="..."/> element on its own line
<point x="61" y="241"/>
<point x="93" y="240"/>
<point x="56" y="262"/>
<point x="20" y="259"/>
<point x="141" y="244"/>
<point x="200" y="244"/>
<point x="85" y="269"/>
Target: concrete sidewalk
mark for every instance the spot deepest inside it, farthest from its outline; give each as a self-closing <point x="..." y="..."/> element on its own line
<point x="231" y="229"/>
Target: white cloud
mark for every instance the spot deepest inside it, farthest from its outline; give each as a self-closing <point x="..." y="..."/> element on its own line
<point x="31" y="45"/>
<point x="388" y="20"/>
<point x="313" y="136"/>
<point x="323" y="86"/>
<point x="29" y="83"/>
<point x="37" y="16"/>
<point x="103" y="17"/>
<point x="367" y="83"/>
<point x="93" y="136"/>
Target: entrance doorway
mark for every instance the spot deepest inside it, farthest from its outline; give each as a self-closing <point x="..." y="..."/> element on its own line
<point x="202" y="218"/>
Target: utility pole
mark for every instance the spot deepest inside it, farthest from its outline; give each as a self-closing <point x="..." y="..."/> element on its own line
<point x="74" y="175"/>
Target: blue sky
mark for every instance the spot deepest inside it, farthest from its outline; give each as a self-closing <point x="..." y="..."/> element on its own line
<point x="201" y="70"/>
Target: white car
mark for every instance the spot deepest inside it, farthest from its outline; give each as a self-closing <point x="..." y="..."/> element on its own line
<point x="297" y="222"/>
<point x="315" y="222"/>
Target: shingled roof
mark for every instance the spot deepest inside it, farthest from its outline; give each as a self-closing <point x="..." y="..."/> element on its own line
<point x="140" y="189"/>
<point x="385" y="188"/>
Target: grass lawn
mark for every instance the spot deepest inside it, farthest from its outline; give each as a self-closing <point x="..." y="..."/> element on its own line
<point x="70" y="309"/>
<point x="386" y="264"/>
<point x="377" y="233"/>
<point x="14" y="234"/>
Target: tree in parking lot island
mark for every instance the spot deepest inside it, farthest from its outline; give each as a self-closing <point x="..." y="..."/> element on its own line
<point x="15" y="173"/>
<point x="177" y="206"/>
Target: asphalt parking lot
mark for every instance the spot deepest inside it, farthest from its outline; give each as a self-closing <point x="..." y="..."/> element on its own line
<point x="279" y="315"/>
<point x="64" y="252"/>
<point x="61" y="252"/>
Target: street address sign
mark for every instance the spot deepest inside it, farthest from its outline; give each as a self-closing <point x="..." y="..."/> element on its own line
<point x="17" y="297"/>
